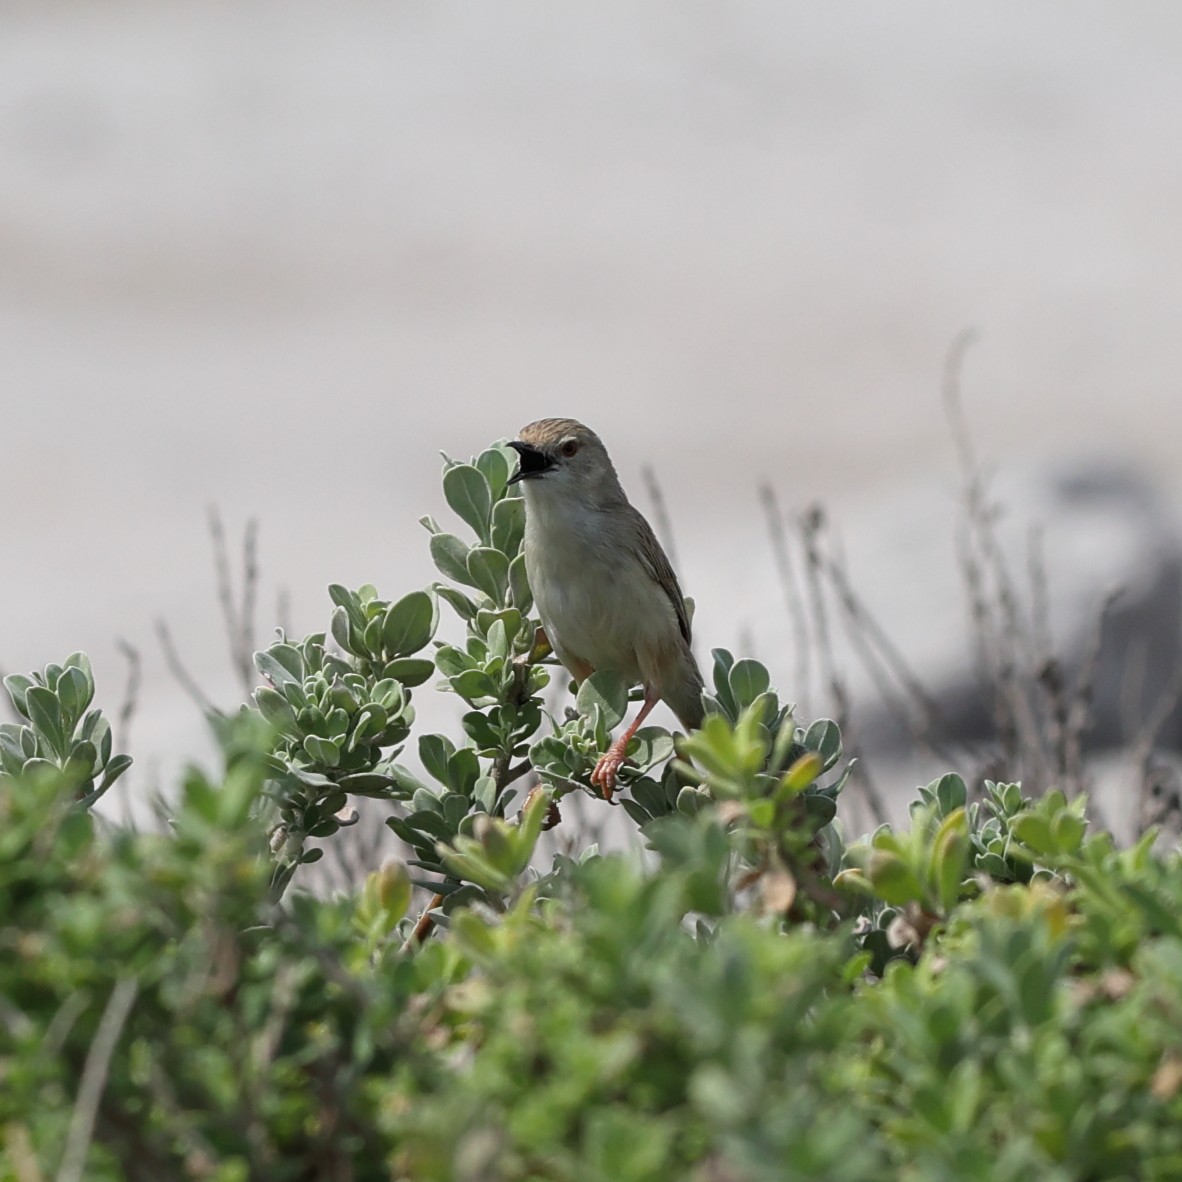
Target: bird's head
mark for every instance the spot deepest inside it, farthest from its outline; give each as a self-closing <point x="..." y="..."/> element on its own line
<point x="564" y="457"/>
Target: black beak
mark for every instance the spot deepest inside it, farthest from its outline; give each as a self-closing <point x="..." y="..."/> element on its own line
<point x="534" y="463"/>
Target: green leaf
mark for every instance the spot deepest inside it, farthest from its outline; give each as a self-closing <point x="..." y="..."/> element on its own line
<point x="523" y="598"/>
<point x="747" y="680"/>
<point x="450" y="556"/>
<point x="461" y="604"/>
<point x="274" y="707"/>
<point x="74" y="693"/>
<point x="18" y="686"/>
<point x="280" y="664"/>
<point x="892" y="879"/>
<point x="434" y="752"/>
<point x="650" y="745"/>
<point x="609" y="692"/>
<point x="372" y="638"/>
<point x="44" y="713"/>
<point x="1034" y="831"/>
<point x="800" y="775"/>
<point x="345" y="598"/>
<point x="691" y="801"/>
<point x="406" y="782"/>
<point x="82" y="764"/>
<point x="509" y="617"/>
<point x="475" y="687"/>
<point x="508" y="525"/>
<point x="467" y="492"/>
<point x="950" y="793"/>
<point x="409" y="624"/>
<point x="463" y="770"/>
<point x="343" y="632"/>
<point x="80" y="661"/>
<point x="488" y="569"/>
<point x="411" y="671"/>
<point x="824" y="737"/>
<point x="496" y="468"/>
<point x="114" y="769"/>
<point x="950" y="851"/>
<point x="723" y="662"/>
<point x="451" y="661"/>
<point x="323" y="751"/>
<point x="12" y="757"/>
<point x="820" y="808"/>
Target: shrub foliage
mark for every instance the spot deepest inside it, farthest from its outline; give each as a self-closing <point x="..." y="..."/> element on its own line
<point x="991" y="993"/>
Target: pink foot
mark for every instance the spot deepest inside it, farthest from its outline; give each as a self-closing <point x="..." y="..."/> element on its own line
<point x="604" y="775"/>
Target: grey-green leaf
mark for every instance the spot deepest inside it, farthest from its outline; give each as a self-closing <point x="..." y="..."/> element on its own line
<point x="323" y="751"/>
<point x="450" y="556"/>
<point x="345" y="598"/>
<point x="824" y="737"/>
<point x="274" y="707"/>
<point x="45" y="715"/>
<point x="18" y="686"/>
<point x="470" y="497"/>
<point x="497" y="467"/>
<point x="411" y="671"/>
<point x="281" y="663"/>
<point x="607" y="691"/>
<point x="508" y="525"/>
<point x="74" y="692"/>
<point x="523" y="598"/>
<point x="410" y="623"/>
<point x="747" y="680"/>
<point x="489" y="570"/>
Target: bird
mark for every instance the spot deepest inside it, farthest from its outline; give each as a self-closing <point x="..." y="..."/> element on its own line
<point x="606" y="593"/>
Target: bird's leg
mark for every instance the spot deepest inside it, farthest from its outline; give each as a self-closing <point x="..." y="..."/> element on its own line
<point x="610" y="762"/>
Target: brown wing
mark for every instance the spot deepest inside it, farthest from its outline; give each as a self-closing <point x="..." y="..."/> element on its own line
<point x="657" y="565"/>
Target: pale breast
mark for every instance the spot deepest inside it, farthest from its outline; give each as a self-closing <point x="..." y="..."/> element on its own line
<point x="598" y="603"/>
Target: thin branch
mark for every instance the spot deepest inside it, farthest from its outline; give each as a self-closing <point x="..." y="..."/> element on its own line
<point x="811" y="525"/>
<point x="131" y="693"/>
<point x="882" y="659"/>
<point x="1040" y="598"/>
<point x="1080" y="711"/>
<point x="790" y="586"/>
<point x="177" y="668"/>
<point x="1005" y="642"/>
<point x="239" y="618"/>
<point x="246" y="618"/>
<point x="225" y="582"/>
<point x="94" y="1079"/>
<point x="1143" y="741"/>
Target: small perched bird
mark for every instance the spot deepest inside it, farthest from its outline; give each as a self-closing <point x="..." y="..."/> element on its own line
<point x="606" y="593"/>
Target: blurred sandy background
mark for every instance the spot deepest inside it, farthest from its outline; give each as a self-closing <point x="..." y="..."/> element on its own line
<point x="277" y="255"/>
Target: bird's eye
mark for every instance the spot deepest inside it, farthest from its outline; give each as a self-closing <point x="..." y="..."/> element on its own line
<point x="569" y="447"/>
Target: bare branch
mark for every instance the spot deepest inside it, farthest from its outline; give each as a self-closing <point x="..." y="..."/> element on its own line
<point x="131" y="693"/>
<point x="94" y="1079"/>
<point x="790" y="586"/>
<point x="811" y="525"/>
<point x="177" y="668"/>
<point x="239" y="617"/>
<point x="1080" y="710"/>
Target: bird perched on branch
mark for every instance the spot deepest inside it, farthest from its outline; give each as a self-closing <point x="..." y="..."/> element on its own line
<point x="605" y="591"/>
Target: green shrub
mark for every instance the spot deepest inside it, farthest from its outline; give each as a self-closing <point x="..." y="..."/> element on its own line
<point x="991" y="993"/>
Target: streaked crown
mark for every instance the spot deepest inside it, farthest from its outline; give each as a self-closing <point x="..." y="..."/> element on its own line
<point x="548" y="435"/>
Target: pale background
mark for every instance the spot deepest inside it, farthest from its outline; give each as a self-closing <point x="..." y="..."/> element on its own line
<point x="276" y="256"/>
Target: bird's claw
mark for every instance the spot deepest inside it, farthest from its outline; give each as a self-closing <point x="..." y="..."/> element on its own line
<point x="606" y="770"/>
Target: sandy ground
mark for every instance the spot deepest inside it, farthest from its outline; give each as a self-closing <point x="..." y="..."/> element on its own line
<point x="277" y="255"/>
